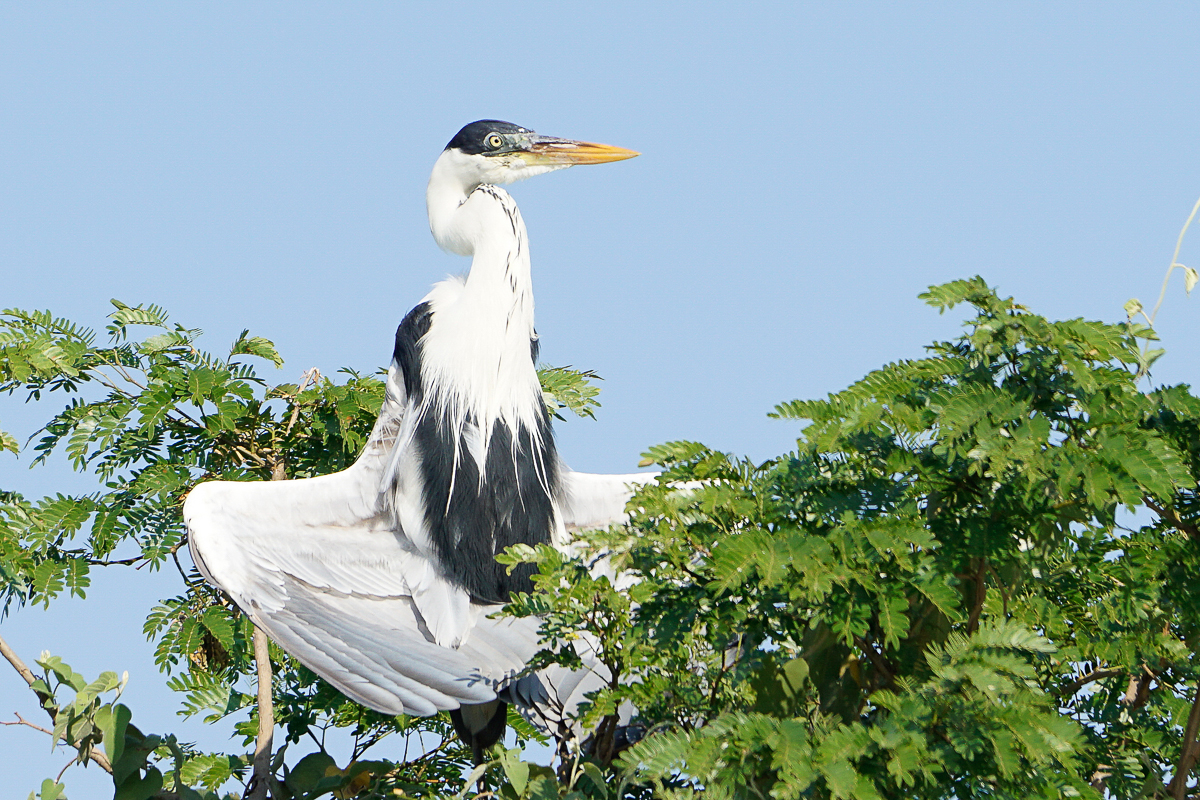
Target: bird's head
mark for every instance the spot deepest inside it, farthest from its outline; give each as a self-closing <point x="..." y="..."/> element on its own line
<point x="491" y="151"/>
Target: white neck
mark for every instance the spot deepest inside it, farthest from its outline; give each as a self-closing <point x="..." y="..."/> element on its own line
<point x="449" y="187"/>
<point x="477" y="351"/>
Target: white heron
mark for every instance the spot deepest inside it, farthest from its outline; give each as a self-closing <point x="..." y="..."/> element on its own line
<point x="382" y="578"/>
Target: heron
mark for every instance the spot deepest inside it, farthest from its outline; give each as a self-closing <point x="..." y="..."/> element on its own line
<point x="383" y="578"/>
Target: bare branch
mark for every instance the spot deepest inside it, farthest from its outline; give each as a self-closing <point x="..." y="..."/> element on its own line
<point x="22" y="721"/>
<point x="1170" y="516"/>
<point x="1189" y="751"/>
<point x="261" y="779"/>
<point x="96" y="757"/>
<point x="310" y="376"/>
<point x="63" y="771"/>
<point x="1083" y="680"/>
<point x="980" y="578"/>
<point x="18" y="664"/>
<point x="118" y="562"/>
<point x="1174" y="263"/>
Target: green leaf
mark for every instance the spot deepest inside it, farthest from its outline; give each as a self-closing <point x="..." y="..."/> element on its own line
<point x="671" y="453"/>
<point x="779" y="687"/>
<point x="9" y="442"/>
<point x="543" y="788"/>
<point x="256" y="346"/>
<point x="308" y="772"/>
<point x="150" y="315"/>
<point x="893" y="618"/>
<point x="596" y="777"/>
<point x="515" y="769"/>
<point x="137" y="787"/>
<point x="112" y="720"/>
<point x="570" y="389"/>
<point x="51" y="790"/>
<point x="63" y="671"/>
<point x="948" y="295"/>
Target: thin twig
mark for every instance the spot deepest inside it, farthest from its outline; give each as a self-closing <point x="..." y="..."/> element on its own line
<point x="424" y="756"/>
<point x="103" y="380"/>
<point x="320" y="744"/>
<point x="22" y="721"/>
<point x="119" y="562"/>
<point x="124" y="374"/>
<point x="1174" y="260"/>
<point x="63" y="771"/>
<point x="310" y="375"/>
<point x="119" y="367"/>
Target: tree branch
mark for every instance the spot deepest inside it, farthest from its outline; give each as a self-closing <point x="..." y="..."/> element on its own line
<point x="22" y="721"/>
<point x="980" y="597"/>
<point x="1189" y="751"/>
<point x="261" y="779"/>
<point x="1170" y="516"/>
<point x="310" y="376"/>
<point x="877" y="660"/>
<point x="96" y="757"/>
<point x="1083" y="680"/>
<point x="118" y="562"/>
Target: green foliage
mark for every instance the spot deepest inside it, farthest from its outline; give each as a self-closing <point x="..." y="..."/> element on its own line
<point x="569" y="389"/>
<point x="150" y="417"/>
<point x="939" y="594"/>
<point x="977" y="575"/>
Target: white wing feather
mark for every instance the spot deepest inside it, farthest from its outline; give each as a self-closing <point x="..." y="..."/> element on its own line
<point x="597" y="501"/>
<point x="325" y="567"/>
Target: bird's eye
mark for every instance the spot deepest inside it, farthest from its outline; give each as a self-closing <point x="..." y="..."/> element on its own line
<point x="494" y="141"/>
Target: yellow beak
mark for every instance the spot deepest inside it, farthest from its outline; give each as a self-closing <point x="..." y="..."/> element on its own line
<point x="549" y="150"/>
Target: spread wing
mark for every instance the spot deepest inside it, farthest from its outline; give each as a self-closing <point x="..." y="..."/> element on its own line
<point x="325" y="567"/>
<point x="597" y="501"/>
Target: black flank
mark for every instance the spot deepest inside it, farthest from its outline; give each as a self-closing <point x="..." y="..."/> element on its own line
<point x="511" y="505"/>
<point x="407" y="352"/>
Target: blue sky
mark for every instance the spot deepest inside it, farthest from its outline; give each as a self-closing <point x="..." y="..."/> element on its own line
<point x="807" y="170"/>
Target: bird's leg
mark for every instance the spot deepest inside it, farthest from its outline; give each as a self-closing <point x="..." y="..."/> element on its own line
<point x="480" y="726"/>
